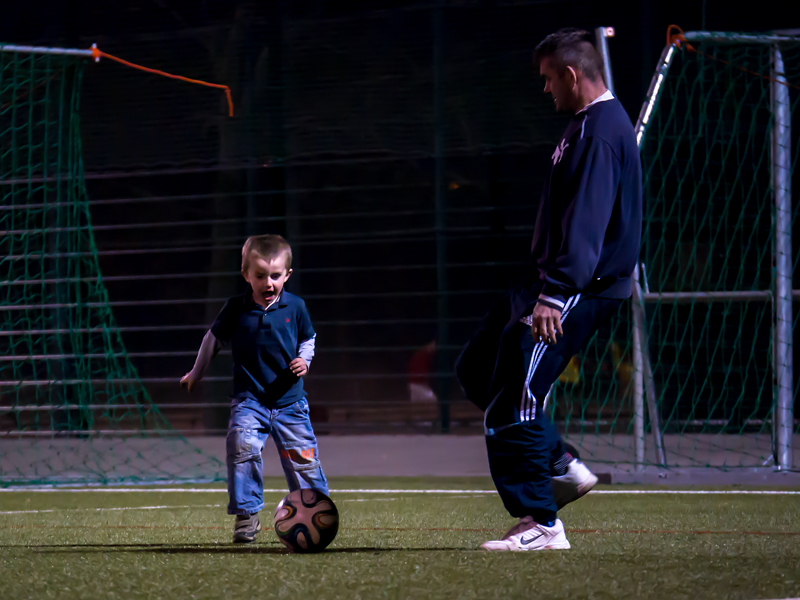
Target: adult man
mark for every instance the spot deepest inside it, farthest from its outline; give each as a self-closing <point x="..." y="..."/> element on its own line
<point x="584" y="250"/>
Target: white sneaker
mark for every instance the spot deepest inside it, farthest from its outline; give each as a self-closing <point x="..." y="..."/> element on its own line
<point x="576" y="482"/>
<point x="539" y="537"/>
<point x="524" y="523"/>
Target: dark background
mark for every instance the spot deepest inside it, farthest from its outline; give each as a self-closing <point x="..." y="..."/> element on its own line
<point x="336" y="143"/>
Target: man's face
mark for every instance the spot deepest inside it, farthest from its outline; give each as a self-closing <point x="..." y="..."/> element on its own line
<point x="267" y="277"/>
<point x="561" y="87"/>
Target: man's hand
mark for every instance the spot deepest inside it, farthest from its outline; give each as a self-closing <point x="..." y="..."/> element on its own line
<point x="546" y="324"/>
<point x="189" y="380"/>
<point x="298" y="367"/>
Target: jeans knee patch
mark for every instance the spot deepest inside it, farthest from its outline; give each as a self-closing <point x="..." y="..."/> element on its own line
<point x="299" y="459"/>
<point x="239" y="445"/>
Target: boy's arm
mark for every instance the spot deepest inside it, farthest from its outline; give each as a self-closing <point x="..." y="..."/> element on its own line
<point x="208" y="350"/>
<point x="305" y="350"/>
<point x="221" y="332"/>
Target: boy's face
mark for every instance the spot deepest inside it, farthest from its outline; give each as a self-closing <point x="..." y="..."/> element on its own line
<point x="266" y="277"/>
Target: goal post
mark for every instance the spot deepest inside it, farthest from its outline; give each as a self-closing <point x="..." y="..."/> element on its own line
<point x="712" y="320"/>
<point x="72" y="406"/>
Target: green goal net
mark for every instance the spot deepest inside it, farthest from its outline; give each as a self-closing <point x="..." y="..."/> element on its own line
<point x="72" y="408"/>
<point x="710" y="254"/>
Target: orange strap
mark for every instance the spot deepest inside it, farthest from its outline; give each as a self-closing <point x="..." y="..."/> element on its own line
<point x="678" y="40"/>
<point x="97" y="53"/>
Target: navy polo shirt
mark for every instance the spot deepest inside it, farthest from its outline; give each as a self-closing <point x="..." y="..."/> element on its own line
<point x="263" y="343"/>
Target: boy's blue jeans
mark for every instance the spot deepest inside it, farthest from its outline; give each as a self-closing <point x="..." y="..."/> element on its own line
<point x="250" y="425"/>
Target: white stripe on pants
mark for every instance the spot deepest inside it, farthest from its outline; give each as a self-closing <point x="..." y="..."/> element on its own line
<point x="527" y="406"/>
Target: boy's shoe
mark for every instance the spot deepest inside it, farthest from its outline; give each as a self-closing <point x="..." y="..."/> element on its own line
<point x="576" y="482"/>
<point x="246" y="529"/>
<point x="524" y="523"/>
<point x="535" y="537"/>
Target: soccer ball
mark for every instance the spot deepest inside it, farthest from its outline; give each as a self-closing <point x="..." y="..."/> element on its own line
<point x="306" y="521"/>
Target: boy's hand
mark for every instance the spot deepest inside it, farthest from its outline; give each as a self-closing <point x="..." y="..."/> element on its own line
<point x="298" y="367"/>
<point x="188" y="381"/>
<point x="546" y="324"/>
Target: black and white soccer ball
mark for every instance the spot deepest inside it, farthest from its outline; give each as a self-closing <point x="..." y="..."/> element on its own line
<point x="306" y="521"/>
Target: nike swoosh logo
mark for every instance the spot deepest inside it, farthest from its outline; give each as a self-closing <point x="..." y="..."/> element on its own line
<point x="525" y="542"/>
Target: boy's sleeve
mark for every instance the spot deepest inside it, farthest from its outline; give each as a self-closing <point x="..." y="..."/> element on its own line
<point x="225" y="324"/>
<point x="306" y="336"/>
<point x="590" y="196"/>
<point x="208" y="350"/>
<point x="305" y="330"/>
<point x="307" y="349"/>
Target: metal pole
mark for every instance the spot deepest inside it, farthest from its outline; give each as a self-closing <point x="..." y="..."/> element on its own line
<point x="43" y="50"/>
<point x="723" y="37"/>
<point x="782" y="331"/>
<point x="641" y="358"/>
<point x="442" y="340"/>
<point x="638" y="382"/>
<point x="640" y="348"/>
<point x="647" y="369"/>
<point x="601" y="33"/>
<point x="653" y="93"/>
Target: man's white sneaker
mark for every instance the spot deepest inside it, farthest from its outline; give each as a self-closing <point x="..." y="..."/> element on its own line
<point x="539" y="537"/>
<point x="576" y="482"/>
<point x="523" y="524"/>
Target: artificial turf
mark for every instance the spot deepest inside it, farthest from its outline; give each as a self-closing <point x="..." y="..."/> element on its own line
<point x="398" y="545"/>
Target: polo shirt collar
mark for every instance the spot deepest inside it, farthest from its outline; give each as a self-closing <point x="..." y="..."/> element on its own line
<point x="250" y="303"/>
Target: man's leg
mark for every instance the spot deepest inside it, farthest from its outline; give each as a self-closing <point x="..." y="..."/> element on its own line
<point x="520" y="406"/>
<point x="520" y="442"/>
<point x="475" y="368"/>
<point x="572" y="479"/>
<point x="519" y="463"/>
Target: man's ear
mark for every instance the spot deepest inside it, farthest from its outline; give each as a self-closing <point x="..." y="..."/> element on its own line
<point x="572" y="77"/>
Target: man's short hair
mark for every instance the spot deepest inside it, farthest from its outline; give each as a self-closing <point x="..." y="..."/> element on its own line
<point x="571" y="48"/>
<point x="267" y="247"/>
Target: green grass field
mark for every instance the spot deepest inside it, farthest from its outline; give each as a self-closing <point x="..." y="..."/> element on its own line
<point x="398" y="545"/>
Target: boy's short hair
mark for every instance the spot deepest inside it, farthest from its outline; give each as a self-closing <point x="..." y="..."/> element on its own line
<point x="267" y="247"/>
<point x="571" y="48"/>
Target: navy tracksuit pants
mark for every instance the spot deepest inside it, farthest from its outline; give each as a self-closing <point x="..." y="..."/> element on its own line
<point x="509" y="376"/>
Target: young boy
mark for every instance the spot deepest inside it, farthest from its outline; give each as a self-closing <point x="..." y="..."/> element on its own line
<point x="272" y="341"/>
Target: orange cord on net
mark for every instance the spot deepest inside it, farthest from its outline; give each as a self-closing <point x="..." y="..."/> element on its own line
<point x="97" y="53"/>
<point x="678" y="40"/>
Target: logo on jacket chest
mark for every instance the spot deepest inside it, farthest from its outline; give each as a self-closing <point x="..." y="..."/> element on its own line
<point x="559" y="152"/>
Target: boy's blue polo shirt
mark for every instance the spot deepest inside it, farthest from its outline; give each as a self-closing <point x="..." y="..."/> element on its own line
<point x="263" y="343"/>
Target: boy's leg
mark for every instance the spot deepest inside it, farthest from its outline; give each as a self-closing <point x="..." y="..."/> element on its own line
<point x="247" y="432"/>
<point x="297" y="445"/>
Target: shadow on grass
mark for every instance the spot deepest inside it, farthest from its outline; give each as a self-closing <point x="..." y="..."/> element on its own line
<point x="205" y="549"/>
